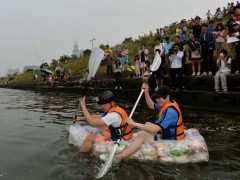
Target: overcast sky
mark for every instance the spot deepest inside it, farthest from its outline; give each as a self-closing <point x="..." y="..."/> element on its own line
<point x="36" y="30"/>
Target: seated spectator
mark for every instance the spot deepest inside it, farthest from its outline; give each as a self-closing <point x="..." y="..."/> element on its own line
<point x="223" y="63"/>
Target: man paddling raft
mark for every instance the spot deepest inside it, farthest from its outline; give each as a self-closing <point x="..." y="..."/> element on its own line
<point x="168" y="126"/>
<point x="110" y="123"/>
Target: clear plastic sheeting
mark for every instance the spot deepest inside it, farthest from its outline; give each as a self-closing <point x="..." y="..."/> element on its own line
<point x="190" y="150"/>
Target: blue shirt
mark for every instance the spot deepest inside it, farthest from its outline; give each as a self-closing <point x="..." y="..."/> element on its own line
<point x="167" y="47"/>
<point x="169" y="118"/>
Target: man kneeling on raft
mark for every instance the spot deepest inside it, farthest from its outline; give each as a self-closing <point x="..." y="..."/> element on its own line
<point x="168" y="126"/>
<point x="110" y="123"/>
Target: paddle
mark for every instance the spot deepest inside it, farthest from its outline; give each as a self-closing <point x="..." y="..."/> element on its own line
<point x="155" y="65"/>
<point x="93" y="64"/>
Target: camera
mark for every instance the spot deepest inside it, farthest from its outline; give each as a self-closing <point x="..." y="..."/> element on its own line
<point x="172" y="51"/>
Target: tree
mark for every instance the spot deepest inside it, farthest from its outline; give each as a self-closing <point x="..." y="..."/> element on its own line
<point x="54" y="62"/>
<point x="87" y="52"/>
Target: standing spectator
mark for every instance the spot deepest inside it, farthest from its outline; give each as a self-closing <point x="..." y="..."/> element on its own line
<point x="211" y="28"/>
<point x="228" y="7"/>
<point x="137" y="66"/>
<point x="158" y="74"/>
<point x="161" y="32"/>
<point x="184" y="30"/>
<point x="108" y="61"/>
<point x="223" y="63"/>
<point x="176" y="67"/>
<point x="178" y="30"/>
<point x="236" y="11"/>
<point x="237" y="47"/>
<point x="229" y="31"/>
<point x="209" y="15"/>
<point x="219" y="14"/>
<point x="207" y="42"/>
<point x="124" y="59"/>
<point x="220" y="36"/>
<point x="143" y="54"/>
<point x="57" y="70"/>
<point x="182" y="47"/>
<point x="118" y="74"/>
<point x="108" y="55"/>
<point x="196" y="28"/>
<point x="159" y="47"/>
<point x="34" y="75"/>
<point x="231" y="7"/>
<point x="194" y="53"/>
<point x="168" y="45"/>
<point x="62" y="70"/>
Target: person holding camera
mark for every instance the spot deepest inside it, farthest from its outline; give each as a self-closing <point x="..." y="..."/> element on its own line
<point x="176" y="66"/>
<point x="194" y="53"/>
<point x="223" y="63"/>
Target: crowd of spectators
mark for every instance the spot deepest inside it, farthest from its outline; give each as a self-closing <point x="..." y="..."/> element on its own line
<point x="202" y="42"/>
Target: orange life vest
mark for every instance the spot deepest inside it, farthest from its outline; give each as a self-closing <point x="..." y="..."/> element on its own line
<point x="116" y="131"/>
<point x="179" y="127"/>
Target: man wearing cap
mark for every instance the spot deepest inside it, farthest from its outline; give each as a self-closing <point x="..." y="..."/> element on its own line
<point x="111" y="122"/>
<point x="197" y="28"/>
<point x="168" y="126"/>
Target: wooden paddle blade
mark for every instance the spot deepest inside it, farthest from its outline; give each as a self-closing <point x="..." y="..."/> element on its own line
<point x="94" y="62"/>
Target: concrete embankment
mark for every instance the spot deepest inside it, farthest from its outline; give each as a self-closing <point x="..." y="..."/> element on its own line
<point x="199" y="91"/>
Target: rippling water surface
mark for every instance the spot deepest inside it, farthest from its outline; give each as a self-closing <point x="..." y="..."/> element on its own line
<point x="34" y="142"/>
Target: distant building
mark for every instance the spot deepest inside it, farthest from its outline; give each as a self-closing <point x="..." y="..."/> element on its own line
<point x="76" y="52"/>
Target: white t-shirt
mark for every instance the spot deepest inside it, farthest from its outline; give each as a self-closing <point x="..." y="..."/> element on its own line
<point x="112" y="118"/>
<point x="176" y="60"/>
<point x="223" y="67"/>
<point x="160" y="47"/>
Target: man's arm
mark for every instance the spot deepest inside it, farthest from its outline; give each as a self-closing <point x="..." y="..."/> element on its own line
<point x="149" y="100"/>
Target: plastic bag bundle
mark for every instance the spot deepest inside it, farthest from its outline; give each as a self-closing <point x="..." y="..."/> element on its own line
<point x="149" y="151"/>
<point x="190" y="150"/>
<point x="77" y="134"/>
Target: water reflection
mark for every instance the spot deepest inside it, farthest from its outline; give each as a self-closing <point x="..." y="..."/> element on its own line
<point x="34" y="141"/>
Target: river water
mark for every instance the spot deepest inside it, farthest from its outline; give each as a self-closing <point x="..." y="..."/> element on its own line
<point x="34" y="142"/>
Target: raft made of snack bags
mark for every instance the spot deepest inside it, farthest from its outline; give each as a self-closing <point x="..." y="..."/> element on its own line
<point x="192" y="149"/>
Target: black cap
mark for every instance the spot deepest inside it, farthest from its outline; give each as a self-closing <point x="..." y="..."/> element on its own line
<point x="106" y="97"/>
<point x="163" y="91"/>
<point x="234" y="24"/>
<point x="197" y="17"/>
<point x="236" y="7"/>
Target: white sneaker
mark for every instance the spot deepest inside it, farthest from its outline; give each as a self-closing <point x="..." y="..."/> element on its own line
<point x="237" y="72"/>
<point x="156" y="88"/>
<point x="210" y="73"/>
<point x="198" y="74"/>
<point x="120" y="87"/>
<point x="193" y="74"/>
<point x="116" y="87"/>
<point x="204" y="74"/>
